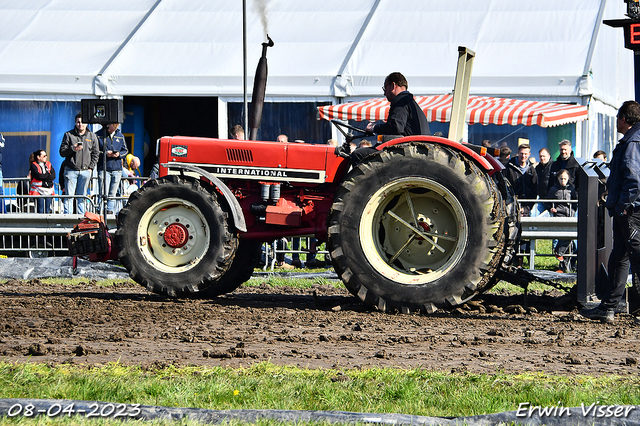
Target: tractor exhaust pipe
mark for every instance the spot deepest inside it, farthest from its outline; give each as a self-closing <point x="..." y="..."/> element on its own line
<point x="259" y="88"/>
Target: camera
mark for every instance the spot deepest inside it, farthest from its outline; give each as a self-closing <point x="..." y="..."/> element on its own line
<point x="101" y="111"/>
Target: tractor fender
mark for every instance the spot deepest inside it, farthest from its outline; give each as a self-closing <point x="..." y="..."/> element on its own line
<point x="236" y="210"/>
<point x="481" y="160"/>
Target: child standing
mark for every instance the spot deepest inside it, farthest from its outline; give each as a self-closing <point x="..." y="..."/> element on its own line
<point x="562" y="190"/>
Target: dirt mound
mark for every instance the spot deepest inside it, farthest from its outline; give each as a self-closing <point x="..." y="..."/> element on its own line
<point x="318" y="327"/>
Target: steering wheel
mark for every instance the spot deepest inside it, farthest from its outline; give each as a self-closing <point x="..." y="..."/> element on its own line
<point x="339" y="125"/>
<point x="345" y="149"/>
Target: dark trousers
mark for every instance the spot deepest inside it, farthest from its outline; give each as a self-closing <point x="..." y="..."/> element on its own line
<point x="625" y="251"/>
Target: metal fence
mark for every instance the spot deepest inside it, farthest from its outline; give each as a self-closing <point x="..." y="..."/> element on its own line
<point x="283" y="249"/>
<point x="23" y="232"/>
<point x="16" y="198"/>
<point x="542" y="225"/>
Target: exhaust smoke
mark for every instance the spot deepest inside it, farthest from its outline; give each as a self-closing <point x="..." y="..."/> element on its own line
<point x="262" y="7"/>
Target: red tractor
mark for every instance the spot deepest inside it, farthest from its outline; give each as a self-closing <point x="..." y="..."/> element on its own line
<point x="422" y="223"/>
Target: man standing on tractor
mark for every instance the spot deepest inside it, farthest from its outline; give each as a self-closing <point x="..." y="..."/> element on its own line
<point x="405" y="118"/>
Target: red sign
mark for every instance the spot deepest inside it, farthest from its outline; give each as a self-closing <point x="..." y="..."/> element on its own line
<point x="631" y="29"/>
<point x="634" y="34"/>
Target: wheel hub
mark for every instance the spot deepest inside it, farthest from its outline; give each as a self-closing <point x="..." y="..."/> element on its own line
<point x="176" y="235"/>
<point x="173" y="235"/>
<point x="425" y="227"/>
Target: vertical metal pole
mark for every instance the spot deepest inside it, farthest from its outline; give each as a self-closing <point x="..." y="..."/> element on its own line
<point x="103" y="204"/>
<point x="245" y="124"/>
<point x="532" y="254"/>
<point x="461" y="93"/>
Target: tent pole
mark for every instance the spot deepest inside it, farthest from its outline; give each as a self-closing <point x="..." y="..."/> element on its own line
<point x="245" y="119"/>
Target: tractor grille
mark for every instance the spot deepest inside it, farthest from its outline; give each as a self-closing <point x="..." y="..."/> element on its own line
<point x="239" y="156"/>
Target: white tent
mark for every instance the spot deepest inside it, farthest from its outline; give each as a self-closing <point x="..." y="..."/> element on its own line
<point x="336" y="50"/>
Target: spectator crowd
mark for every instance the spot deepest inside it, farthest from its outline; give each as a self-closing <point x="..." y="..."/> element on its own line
<point x="83" y="153"/>
<point x="553" y="182"/>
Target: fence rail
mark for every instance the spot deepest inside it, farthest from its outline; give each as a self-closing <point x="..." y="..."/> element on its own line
<point x="17" y="200"/>
<point x="25" y="232"/>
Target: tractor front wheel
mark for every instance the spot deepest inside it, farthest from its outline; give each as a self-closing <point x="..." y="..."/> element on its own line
<point x="174" y="236"/>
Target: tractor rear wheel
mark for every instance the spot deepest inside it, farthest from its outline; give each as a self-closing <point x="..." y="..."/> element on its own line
<point x="416" y="227"/>
<point x="174" y="236"/>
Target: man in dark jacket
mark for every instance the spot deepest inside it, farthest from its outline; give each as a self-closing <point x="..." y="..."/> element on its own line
<point x="405" y="117"/>
<point x="80" y="148"/>
<point x="111" y="139"/>
<point x="524" y="180"/>
<point x="543" y="168"/>
<point x="505" y="155"/>
<point x="523" y="177"/>
<point x="565" y="161"/>
<point x="623" y="203"/>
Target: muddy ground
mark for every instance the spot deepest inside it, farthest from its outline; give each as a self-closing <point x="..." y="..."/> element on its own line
<point x="318" y="327"/>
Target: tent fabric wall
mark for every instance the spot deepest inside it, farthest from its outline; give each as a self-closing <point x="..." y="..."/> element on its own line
<point x="322" y="47"/>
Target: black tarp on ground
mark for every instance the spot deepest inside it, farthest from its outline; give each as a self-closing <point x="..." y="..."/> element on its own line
<point x="58" y="267"/>
<point x="20" y="408"/>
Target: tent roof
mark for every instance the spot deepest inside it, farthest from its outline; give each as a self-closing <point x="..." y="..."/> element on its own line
<point x="323" y="48"/>
<point x="480" y="110"/>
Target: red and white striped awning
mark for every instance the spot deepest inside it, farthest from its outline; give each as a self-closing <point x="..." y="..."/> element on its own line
<point x="480" y="109"/>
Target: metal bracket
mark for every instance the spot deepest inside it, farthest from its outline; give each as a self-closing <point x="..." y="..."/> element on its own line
<point x="461" y="93"/>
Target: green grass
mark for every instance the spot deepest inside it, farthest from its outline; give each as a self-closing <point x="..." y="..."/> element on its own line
<point x="267" y="386"/>
<point x="278" y="281"/>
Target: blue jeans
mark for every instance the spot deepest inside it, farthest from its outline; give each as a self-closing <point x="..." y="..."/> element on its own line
<point x="43" y="204"/>
<point x="113" y="183"/>
<point x="76" y="183"/>
<point x="538" y="209"/>
<point x="296" y="246"/>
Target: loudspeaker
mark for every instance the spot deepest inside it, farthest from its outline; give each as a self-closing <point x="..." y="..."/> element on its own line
<point x="102" y="111"/>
